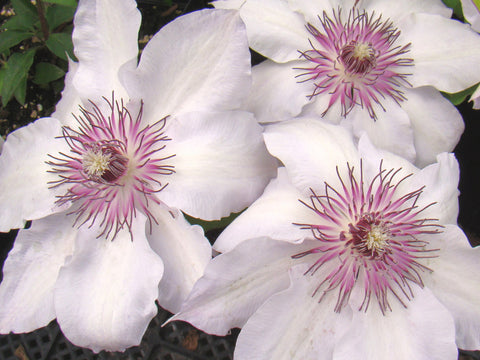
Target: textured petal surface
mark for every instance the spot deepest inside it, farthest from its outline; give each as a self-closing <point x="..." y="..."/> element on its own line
<point x="24" y="192"/>
<point x="221" y="163"/>
<point x="423" y="331"/>
<point x="30" y="273"/>
<point x="471" y="13"/>
<point x="292" y="325"/>
<point x="396" y="10"/>
<point x="445" y="52"/>
<point x="274" y="30"/>
<point x="105" y="295"/>
<point x="185" y="252"/>
<point x="391" y="131"/>
<point x="236" y="283"/>
<point x="70" y="100"/>
<point x="437" y="124"/>
<point x="455" y="282"/>
<point x="276" y="94"/>
<point x="275" y="214"/>
<point x="310" y="151"/>
<point x="199" y="61"/>
<point x="105" y="37"/>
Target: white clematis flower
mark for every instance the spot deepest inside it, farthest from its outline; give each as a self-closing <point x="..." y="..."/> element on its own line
<point x="106" y="186"/>
<point x="378" y="66"/>
<point x="349" y="254"/>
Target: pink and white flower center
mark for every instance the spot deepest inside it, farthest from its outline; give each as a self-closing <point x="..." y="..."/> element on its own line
<point x="370" y="237"/>
<point x="116" y="167"/>
<point x="356" y="61"/>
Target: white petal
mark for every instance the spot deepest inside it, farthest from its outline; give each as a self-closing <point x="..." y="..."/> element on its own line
<point x="391" y="131"/>
<point x="1" y="144"/>
<point x="476" y="98"/>
<point x="445" y="52"/>
<point x="105" y="37"/>
<point x="30" y="273"/>
<point x="275" y="214"/>
<point x="199" y="61"/>
<point x="105" y="295"/>
<point x="276" y="92"/>
<point x="423" y="331"/>
<point x="221" y="163"/>
<point x="24" y="188"/>
<point x="441" y="183"/>
<point x="228" y="4"/>
<point x="185" y="252"/>
<point x="437" y="124"/>
<point x="236" y="283"/>
<point x="455" y="282"/>
<point x="471" y="13"/>
<point x="70" y="100"/>
<point x="396" y="10"/>
<point x="274" y="30"/>
<point x="311" y="150"/>
<point x="292" y="325"/>
<point x="311" y="10"/>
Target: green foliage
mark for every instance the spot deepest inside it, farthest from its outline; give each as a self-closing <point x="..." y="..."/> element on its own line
<point x="458" y="98"/>
<point x="32" y="30"/>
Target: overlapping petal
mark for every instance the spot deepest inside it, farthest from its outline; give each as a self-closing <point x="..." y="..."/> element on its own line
<point x="185" y="252"/>
<point x="221" y="164"/>
<point x="105" y="294"/>
<point x="30" y="273"/>
<point x="204" y="62"/>
<point x="24" y="174"/>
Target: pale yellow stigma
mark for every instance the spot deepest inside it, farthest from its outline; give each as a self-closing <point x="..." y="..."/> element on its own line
<point x="363" y="51"/>
<point x="95" y="162"/>
<point x="377" y="239"/>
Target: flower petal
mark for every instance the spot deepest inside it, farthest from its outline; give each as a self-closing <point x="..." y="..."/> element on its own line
<point x="274" y="30"/>
<point x="275" y="214"/>
<point x="445" y="52"/>
<point x="436" y="123"/>
<point x="276" y="93"/>
<point x="391" y="130"/>
<point x="471" y="13"/>
<point x="423" y="331"/>
<point x="399" y="9"/>
<point x="105" y="295"/>
<point x="70" y="100"/>
<point x="221" y="163"/>
<point x="292" y="325"/>
<point x="185" y="252"/>
<point x="236" y="283"/>
<point x="455" y="282"/>
<point x="104" y="38"/>
<point x="311" y="150"/>
<point x="199" y="61"/>
<point x="228" y="4"/>
<point x="24" y="176"/>
<point x="311" y="10"/>
<point x="30" y="273"/>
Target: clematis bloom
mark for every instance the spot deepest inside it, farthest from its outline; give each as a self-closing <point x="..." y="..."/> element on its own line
<point x="105" y="180"/>
<point x="353" y="253"/>
<point x="374" y="67"/>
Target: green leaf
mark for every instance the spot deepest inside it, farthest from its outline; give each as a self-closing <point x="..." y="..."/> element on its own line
<point x="69" y="3"/>
<point x="17" y="23"/>
<point x="456" y="6"/>
<point x="60" y="44"/>
<point x="458" y="98"/>
<point x="11" y="38"/>
<point x="57" y="15"/>
<point x="21" y="90"/>
<point x="46" y="72"/>
<point x="16" y="72"/>
<point x="477" y="4"/>
<point x="24" y="7"/>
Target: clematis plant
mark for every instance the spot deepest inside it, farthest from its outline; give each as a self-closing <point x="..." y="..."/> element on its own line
<point x="378" y="66"/>
<point x="105" y="180"/>
<point x="350" y="253"/>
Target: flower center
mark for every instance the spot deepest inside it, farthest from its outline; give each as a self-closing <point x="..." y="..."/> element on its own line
<point x="356" y="61"/>
<point x="115" y="167"/>
<point x="358" y="57"/>
<point x="104" y="162"/>
<point x="382" y="246"/>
